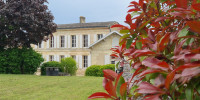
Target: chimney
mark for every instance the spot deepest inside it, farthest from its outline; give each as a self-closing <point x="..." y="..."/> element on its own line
<point x="82" y="19"/>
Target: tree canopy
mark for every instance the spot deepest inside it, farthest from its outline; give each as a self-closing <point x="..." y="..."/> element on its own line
<point x="24" y="22"/>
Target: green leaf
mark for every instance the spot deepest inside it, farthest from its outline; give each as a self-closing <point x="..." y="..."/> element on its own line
<point x="120" y="82"/>
<point x="138" y="45"/>
<point x="135" y="13"/>
<point x="183" y="32"/>
<point x="189" y="93"/>
<point x="124" y="31"/>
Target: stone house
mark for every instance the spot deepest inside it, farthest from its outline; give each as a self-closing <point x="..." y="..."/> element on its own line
<point x="88" y="43"/>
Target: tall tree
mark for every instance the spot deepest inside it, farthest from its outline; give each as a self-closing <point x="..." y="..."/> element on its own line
<point x="24" y="22"/>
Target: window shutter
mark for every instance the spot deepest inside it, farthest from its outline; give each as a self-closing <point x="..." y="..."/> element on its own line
<point x="95" y="37"/>
<point x="69" y="41"/>
<point x="47" y="58"/>
<point x="55" y="38"/>
<point x="81" y="41"/>
<point x="88" y="40"/>
<point x="80" y="61"/>
<point x="89" y="60"/>
<point x="77" y="42"/>
<point x="107" y="59"/>
<point x="65" y="41"/>
<point x="48" y="43"/>
<point x="58" y="41"/>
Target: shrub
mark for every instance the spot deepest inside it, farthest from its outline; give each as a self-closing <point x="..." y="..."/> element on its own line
<point x="108" y="66"/>
<point x="69" y="65"/>
<point x="162" y="45"/>
<point x="50" y="64"/>
<point x="97" y="70"/>
<point x="19" y="61"/>
<point x="92" y="70"/>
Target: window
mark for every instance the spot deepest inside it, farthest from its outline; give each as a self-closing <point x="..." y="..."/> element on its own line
<point x="85" y="61"/>
<point x="62" y="41"/>
<point x="39" y="45"/>
<point x="51" y="58"/>
<point x="73" y="40"/>
<point x="74" y="57"/>
<point x="85" y="40"/>
<point x="61" y="57"/>
<point x="51" y="42"/>
<point x="112" y="62"/>
<point x="99" y="36"/>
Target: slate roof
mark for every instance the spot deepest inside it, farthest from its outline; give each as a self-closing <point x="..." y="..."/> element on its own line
<point x="86" y="25"/>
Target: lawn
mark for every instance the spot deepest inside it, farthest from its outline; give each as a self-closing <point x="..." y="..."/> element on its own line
<point x="30" y="87"/>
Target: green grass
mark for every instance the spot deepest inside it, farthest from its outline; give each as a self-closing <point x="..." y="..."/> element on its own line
<point x="30" y="87"/>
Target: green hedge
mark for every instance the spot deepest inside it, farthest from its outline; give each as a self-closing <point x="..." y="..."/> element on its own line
<point x="19" y="61"/>
<point x="50" y="64"/>
<point x="97" y="70"/>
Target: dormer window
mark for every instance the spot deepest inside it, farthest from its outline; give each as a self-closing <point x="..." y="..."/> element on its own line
<point x="99" y="36"/>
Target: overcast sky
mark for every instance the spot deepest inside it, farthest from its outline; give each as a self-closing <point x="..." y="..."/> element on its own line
<point x="69" y="11"/>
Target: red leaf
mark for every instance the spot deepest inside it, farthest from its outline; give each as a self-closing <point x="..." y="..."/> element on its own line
<point x="135" y="73"/>
<point x="121" y="26"/>
<point x="152" y="97"/>
<point x="134" y="2"/>
<point x="159" y="81"/>
<point x="150" y="71"/>
<point x="136" y="9"/>
<point x="105" y="81"/>
<point x="128" y="19"/>
<point x="99" y="95"/>
<point x="164" y="41"/>
<point x="187" y="57"/>
<point x="169" y="79"/>
<point x="196" y="6"/>
<point x="114" y="55"/>
<point x="189" y="65"/>
<point x="190" y="72"/>
<point x="116" y="82"/>
<point x="194" y="26"/>
<point x="148" y="88"/>
<point x="110" y="88"/>
<point x="110" y="74"/>
<point x="196" y="50"/>
<point x="182" y="3"/>
<point x="123" y="89"/>
<point x="178" y="47"/>
<point x="139" y="53"/>
<point x="161" y="18"/>
<point x="154" y="63"/>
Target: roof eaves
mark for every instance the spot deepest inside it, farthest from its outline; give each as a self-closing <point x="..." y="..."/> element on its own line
<point x="104" y="38"/>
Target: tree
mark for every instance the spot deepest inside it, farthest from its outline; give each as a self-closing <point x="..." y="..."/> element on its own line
<point x="69" y="65"/>
<point x="19" y="61"/>
<point x="162" y="44"/>
<point x="24" y="22"/>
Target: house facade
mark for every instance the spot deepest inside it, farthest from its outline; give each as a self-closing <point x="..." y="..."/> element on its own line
<point x="88" y="43"/>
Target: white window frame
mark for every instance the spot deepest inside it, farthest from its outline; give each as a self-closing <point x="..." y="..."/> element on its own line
<point x="73" y="37"/>
<point x="85" y="61"/>
<point x="51" y="57"/>
<point x="99" y="36"/>
<point x="85" y="41"/>
<point x="51" y="42"/>
<point x="62" y="41"/>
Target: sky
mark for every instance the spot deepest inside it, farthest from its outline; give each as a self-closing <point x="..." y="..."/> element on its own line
<point x="69" y="11"/>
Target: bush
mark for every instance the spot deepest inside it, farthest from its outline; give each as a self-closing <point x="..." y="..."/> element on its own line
<point x="97" y="70"/>
<point x="69" y="65"/>
<point x="93" y="70"/>
<point x="19" y="61"/>
<point x="50" y="64"/>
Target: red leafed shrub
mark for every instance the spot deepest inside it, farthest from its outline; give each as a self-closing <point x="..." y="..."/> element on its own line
<point x="162" y="44"/>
